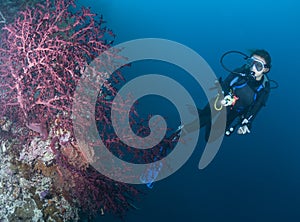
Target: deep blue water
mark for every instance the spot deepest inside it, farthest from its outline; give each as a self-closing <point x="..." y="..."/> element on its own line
<point x="254" y="177"/>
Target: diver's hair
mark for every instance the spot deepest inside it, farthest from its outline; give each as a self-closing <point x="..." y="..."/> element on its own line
<point x="264" y="54"/>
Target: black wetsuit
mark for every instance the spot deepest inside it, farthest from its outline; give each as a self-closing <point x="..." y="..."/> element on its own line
<point x="252" y="96"/>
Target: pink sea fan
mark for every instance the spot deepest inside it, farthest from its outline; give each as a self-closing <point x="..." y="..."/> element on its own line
<point x="42" y="56"/>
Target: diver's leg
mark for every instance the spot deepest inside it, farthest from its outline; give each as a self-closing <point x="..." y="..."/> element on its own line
<point x="204" y="117"/>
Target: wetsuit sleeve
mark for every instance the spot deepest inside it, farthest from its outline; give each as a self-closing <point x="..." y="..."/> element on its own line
<point x="256" y="107"/>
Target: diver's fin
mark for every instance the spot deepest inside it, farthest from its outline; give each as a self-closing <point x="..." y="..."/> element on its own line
<point x="151" y="172"/>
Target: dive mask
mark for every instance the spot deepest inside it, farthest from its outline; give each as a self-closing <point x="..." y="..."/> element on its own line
<point x="259" y="65"/>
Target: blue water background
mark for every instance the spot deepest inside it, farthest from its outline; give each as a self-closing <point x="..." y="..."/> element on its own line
<point x="254" y="177"/>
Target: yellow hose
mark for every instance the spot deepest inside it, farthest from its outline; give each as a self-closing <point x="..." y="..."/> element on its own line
<point x="215" y="103"/>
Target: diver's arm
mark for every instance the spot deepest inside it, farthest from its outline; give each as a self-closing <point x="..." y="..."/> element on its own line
<point x="256" y="107"/>
<point x="249" y="117"/>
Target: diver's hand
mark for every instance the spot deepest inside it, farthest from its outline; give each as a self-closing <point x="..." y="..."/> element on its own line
<point x="227" y="101"/>
<point x="244" y="129"/>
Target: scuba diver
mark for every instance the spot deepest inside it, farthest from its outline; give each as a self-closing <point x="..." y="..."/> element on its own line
<point x="246" y="90"/>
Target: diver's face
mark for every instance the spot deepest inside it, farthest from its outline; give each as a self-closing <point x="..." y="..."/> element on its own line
<point x="256" y="69"/>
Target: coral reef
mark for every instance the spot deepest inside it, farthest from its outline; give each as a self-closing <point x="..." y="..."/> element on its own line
<point x="26" y="195"/>
<point x="43" y="53"/>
